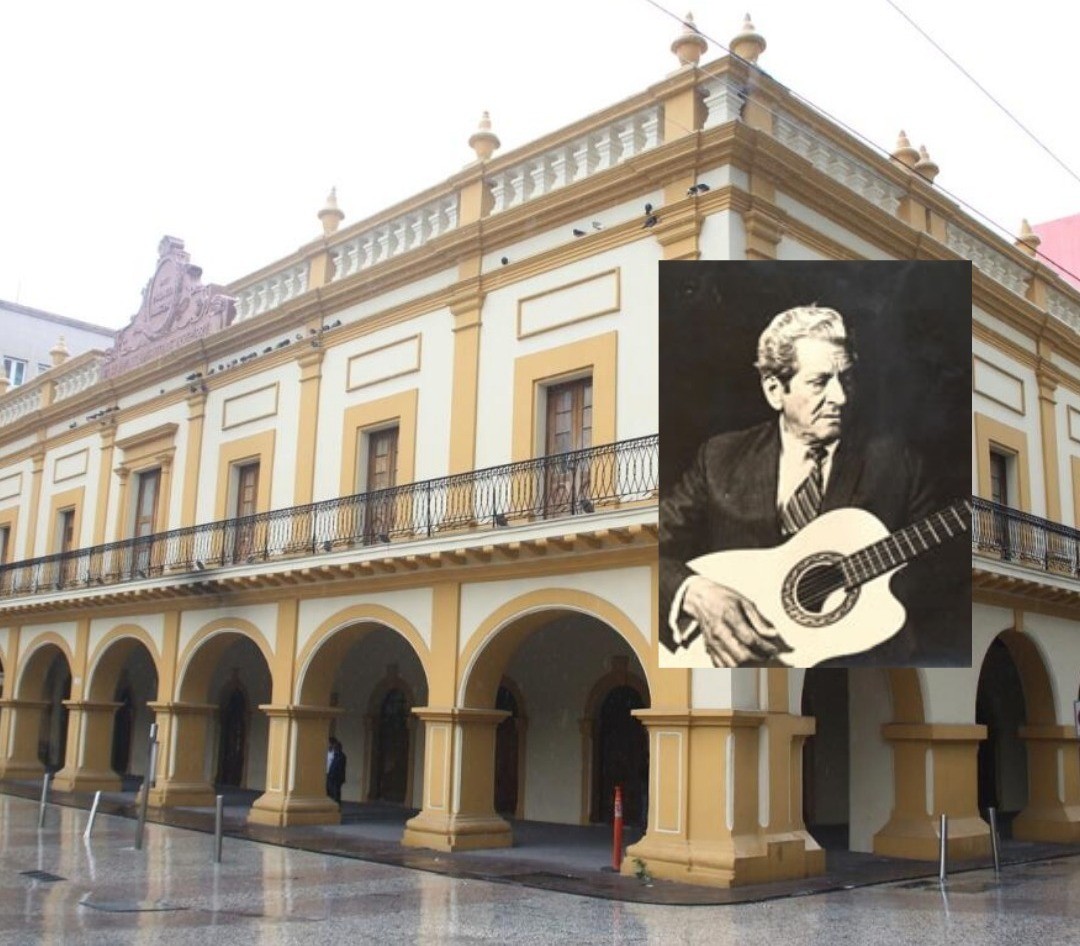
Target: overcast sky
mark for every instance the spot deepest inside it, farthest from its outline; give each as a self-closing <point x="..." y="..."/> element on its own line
<point x="225" y="123"/>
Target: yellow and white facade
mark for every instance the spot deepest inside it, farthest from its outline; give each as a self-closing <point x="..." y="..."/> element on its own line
<point x="408" y="497"/>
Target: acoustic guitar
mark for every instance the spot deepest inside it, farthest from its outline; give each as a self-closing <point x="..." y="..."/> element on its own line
<point x="826" y="590"/>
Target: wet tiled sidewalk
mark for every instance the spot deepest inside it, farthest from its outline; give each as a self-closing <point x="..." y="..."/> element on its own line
<point x="561" y="858"/>
<point x="56" y="887"/>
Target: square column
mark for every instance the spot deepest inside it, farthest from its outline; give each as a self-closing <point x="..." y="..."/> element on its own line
<point x="20" y="725"/>
<point x="935" y="773"/>
<point x="296" y="768"/>
<point x="1053" y="809"/>
<point x="89" y="748"/>
<point x="182" y="778"/>
<point x="458" y="812"/>
<point x="704" y="803"/>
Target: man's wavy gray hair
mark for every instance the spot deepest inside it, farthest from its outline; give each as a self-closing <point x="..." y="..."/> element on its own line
<point x="776" y="346"/>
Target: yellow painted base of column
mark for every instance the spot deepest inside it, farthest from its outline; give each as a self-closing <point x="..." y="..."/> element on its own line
<point x="456" y="833"/>
<point x="181" y="795"/>
<point x="18" y="771"/>
<point x="283" y="811"/>
<point x="86" y="781"/>
<point x="918" y="839"/>
<point x="1057" y="825"/>
<point x="723" y="864"/>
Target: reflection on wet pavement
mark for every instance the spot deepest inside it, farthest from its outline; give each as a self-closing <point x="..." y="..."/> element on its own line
<point x="56" y="888"/>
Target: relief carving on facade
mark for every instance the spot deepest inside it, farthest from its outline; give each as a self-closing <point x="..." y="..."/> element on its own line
<point x="176" y="309"/>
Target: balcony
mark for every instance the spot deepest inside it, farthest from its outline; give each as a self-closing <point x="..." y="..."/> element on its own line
<point x="1019" y="556"/>
<point x="394" y="521"/>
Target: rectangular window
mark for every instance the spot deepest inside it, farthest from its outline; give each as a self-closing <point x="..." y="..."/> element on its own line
<point x="146" y="504"/>
<point x="568" y="429"/>
<point x="245" y="504"/>
<point x="380" y="473"/>
<point x="5" y="540"/>
<point x="65" y="542"/>
<point x="999" y="477"/>
<point x="15" y="369"/>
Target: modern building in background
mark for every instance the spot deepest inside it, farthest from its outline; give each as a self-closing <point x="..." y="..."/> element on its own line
<point x="31" y="340"/>
<point x="400" y="487"/>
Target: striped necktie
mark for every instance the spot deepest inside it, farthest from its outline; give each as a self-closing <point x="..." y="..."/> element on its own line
<point x="805" y="502"/>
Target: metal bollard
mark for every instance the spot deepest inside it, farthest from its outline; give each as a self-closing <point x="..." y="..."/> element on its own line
<point x="942" y="862"/>
<point x="44" y="799"/>
<point x="994" y="839"/>
<point x="219" y="804"/>
<point x="93" y="815"/>
<point x="148" y="783"/>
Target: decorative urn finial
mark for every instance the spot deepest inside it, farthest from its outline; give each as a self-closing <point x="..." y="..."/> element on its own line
<point x="689" y="46"/>
<point x="484" y="141"/>
<point x="331" y="215"/>
<point x="749" y="43"/>
<point x="1029" y="240"/>
<point x="925" y="165"/>
<point x="904" y="152"/>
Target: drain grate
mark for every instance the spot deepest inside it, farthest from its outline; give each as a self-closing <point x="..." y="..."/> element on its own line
<point x="43" y="875"/>
<point x="129" y="906"/>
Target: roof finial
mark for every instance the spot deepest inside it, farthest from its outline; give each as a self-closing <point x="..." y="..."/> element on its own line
<point x="749" y="43"/>
<point x="1029" y="240"/>
<point x="904" y="152"/>
<point x="331" y="215"/>
<point x="59" y="352"/>
<point x="484" y="141"/>
<point x="925" y="165"/>
<point x="689" y="46"/>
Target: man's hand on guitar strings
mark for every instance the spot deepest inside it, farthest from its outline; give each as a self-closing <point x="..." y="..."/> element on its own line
<point x="735" y="632"/>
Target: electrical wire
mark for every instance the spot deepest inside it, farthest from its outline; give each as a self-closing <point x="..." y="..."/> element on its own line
<point x="1001" y="230"/>
<point x="975" y="82"/>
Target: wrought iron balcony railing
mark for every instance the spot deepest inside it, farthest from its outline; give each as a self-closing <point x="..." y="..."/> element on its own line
<point x="551" y="487"/>
<point x="1001" y="532"/>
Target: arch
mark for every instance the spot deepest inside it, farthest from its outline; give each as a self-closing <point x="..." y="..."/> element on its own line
<point x="323" y="653"/>
<point x="206" y="648"/>
<point x="502" y="632"/>
<point x="905" y="692"/>
<point x="36" y="661"/>
<point x="109" y="657"/>
<point x="1036" y="680"/>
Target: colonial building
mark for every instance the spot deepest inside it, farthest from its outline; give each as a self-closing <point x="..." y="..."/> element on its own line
<point x="400" y="487"/>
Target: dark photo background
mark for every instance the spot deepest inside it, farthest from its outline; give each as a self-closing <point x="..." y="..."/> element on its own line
<point x="911" y="327"/>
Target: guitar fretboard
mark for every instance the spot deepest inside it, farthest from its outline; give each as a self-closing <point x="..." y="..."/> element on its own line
<point x="900" y="547"/>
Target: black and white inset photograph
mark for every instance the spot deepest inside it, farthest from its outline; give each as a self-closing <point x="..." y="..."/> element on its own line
<point x="815" y="464"/>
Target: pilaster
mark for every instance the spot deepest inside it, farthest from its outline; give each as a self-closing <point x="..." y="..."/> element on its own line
<point x="934" y="772"/>
<point x="1053" y="809"/>
<point x="296" y="768"/>
<point x="704" y="803"/>
<point x="89" y="748"/>
<point x="458" y="812"/>
<point x="19" y="758"/>
<point x="182" y="777"/>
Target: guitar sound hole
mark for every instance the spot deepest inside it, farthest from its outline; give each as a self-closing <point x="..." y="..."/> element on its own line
<point x="816" y="584"/>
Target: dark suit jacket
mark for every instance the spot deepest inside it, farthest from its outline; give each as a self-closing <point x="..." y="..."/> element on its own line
<point x="727" y="498"/>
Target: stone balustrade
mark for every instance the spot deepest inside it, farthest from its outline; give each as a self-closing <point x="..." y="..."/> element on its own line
<point x="402" y="234"/>
<point x="272" y="291"/>
<point x="82" y="375"/>
<point x="18" y="403"/>
<point x="576" y="159"/>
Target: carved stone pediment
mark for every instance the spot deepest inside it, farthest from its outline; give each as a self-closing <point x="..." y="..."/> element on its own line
<point x="176" y="309"/>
